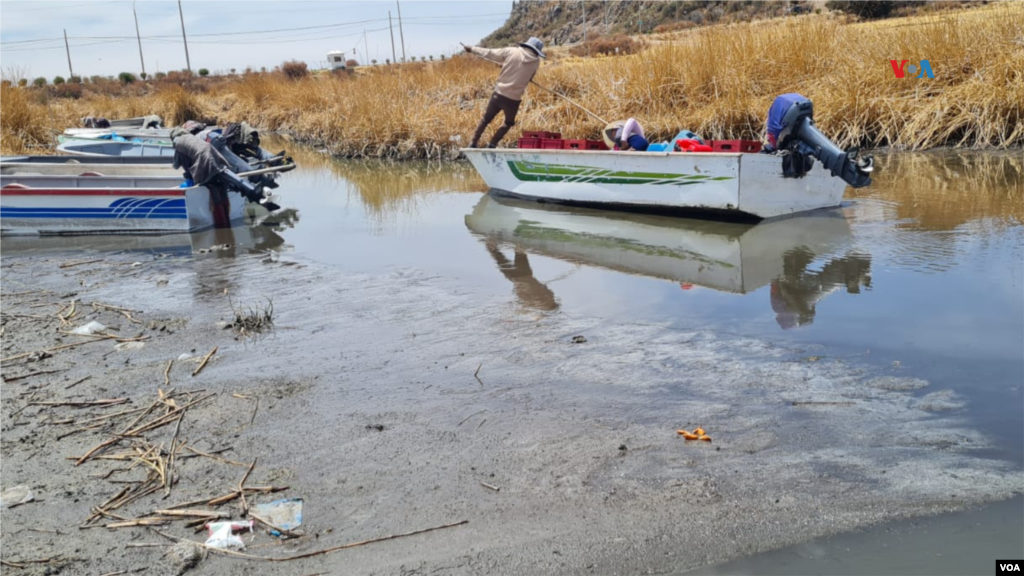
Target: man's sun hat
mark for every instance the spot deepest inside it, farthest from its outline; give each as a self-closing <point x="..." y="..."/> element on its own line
<point x="536" y="45"/>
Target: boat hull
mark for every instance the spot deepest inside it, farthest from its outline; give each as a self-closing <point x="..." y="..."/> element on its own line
<point x="721" y="185"/>
<point x="107" y="148"/>
<point x="73" y="205"/>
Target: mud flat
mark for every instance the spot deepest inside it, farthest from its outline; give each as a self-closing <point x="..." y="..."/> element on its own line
<point x="398" y="402"/>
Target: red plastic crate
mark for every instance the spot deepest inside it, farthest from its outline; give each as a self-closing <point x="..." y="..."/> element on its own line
<point x="748" y="146"/>
<point x="552" y="144"/>
<point x="529" y="142"/>
<point x="542" y="135"/>
<point x="584" y="145"/>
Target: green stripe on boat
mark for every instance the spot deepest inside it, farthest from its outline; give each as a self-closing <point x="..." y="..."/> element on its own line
<point x="535" y="172"/>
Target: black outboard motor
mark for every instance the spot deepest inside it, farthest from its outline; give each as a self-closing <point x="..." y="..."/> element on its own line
<point x="791" y="130"/>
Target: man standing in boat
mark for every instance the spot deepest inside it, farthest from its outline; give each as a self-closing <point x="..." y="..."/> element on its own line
<point x="518" y="66"/>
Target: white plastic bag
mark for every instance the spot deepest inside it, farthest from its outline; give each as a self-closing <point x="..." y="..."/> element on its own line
<point x="223" y="534"/>
<point x="90" y="328"/>
<point x="20" y="494"/>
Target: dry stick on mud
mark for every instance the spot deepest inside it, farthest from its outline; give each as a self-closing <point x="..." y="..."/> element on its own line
<point x="103" y="403"/>
<point x="241" y="487"/>
<point x="77" y="382"/>
<point x="475" y="374"/>
<point x="205" y="360"/>
<point x="470" y="416"/>
<point x="151" y="425"/>
<point x="325" y="550"/>
<point x="213" y="456"/>
<point x="79" y="263"/>
<point x="47" y="351"/>
<point x="124" y="311"/>
<point x="167" y="372"/>
<point x="257" y="407"/>
<point x="30" y="374"/>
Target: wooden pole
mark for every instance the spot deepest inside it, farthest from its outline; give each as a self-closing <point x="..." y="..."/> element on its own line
<point x="139" y="38"/>
<point x="584" y="3"/>
<point x="68" y="49"/>
<point x="391" y="27"/>
<point x="400" y="32"/>
<point x="188" y="62"/>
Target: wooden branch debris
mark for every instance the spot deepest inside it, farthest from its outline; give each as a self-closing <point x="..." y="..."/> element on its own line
<point x="205" y="360"/>
<point x="254" y="409"/>
<point x="192" y="513"/>
<point x="241" y="487"/>
<point x="30" y="374"/>
<point x="85" y="403"/>
<point x="79" y="263"/>
<point x="123" y="311"/>
<point x="234" y="554"/>
<point x="49" y="350"/>
<point x="77" y="382"/>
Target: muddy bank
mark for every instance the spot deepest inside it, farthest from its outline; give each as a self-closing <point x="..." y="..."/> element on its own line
<point x="387" y="401"/>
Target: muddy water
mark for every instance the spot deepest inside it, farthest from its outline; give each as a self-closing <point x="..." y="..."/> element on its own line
<point x="921" y="274"/>
<point x="917" y="277"/>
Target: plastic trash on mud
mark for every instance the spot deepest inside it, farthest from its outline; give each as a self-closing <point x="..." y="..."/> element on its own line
<point x="283" y="514"/>
<point x="224" y="535"/>
<point x="89" y="329"/>
<point x="19" y="494"/>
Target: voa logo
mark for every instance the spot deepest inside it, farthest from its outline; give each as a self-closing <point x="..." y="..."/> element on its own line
<point x="901" y="69"/>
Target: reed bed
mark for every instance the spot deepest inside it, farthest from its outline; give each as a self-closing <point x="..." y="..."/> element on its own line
<point x="717" y="81"/>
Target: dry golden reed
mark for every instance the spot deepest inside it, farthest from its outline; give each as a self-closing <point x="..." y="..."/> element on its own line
<point x="717" y="81"/>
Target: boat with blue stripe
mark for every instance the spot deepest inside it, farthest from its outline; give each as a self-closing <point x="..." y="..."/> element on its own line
<point x="92" y="203"/>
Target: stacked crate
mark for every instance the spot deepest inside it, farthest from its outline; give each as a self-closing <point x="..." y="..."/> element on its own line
<point x="748" y="146"/>
<point x="539" y="140"/>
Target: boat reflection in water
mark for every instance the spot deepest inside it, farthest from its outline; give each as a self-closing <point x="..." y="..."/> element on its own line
<point x="803" y="258"/>
<point x="254" y="237"/>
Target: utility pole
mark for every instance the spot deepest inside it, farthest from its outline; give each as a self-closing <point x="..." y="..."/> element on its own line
<point x="188" y="62"/>
<point x="139" y="37"/>
<point x="366" y="45"/>
<point x="66" y="47"/>
<point x="400" y="33"/>
<point x="392" y="28"/>
<point x="584" y="3"/>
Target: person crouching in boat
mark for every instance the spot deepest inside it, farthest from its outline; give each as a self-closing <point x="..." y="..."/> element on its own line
<point x="628" y="135"/>
<point x="518" y="66"/>
<point x="205" y="166"/>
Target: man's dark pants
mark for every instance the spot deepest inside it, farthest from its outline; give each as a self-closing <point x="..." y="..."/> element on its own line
<point x="497" y="103"/>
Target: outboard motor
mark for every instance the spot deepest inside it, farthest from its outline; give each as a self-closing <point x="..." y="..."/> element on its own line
<point x="791" y="130"/>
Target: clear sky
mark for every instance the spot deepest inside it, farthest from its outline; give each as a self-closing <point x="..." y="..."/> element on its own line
<point x="225" y="34"/>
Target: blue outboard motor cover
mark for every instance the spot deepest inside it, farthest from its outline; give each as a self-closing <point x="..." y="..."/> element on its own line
<point x="779" y="108"/>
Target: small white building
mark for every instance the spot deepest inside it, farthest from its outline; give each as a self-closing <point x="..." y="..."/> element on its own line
<point x="336" y="60"/>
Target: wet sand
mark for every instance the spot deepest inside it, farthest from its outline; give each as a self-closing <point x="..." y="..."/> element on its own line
<point x="370" y="411"/>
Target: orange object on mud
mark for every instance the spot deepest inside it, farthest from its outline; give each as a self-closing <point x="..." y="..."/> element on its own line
<point x="686" y="434"/>
<point x="705" y="438"/>
<point x="698" y="431"/>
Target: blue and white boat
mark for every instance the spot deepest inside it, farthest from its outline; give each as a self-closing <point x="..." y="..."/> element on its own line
<point x="85" y="204"/>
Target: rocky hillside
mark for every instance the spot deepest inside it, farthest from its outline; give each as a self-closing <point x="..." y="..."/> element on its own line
<point x="560" y="22"/>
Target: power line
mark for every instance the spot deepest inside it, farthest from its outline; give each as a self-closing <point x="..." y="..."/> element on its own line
<point x="453" y="21"/>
